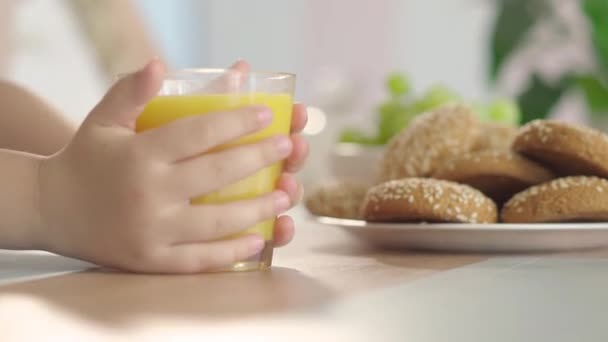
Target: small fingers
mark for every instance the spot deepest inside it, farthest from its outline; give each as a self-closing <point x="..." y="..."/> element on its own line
<point x="299" y="154"/>
<point x="193" y="135"/>
<point x="299" y="118"/>
<point x="284" y="230"/>
<point x="198" y="223"/>
<point x="213" y="171"/>
<point x="289" y="184"/>
<point x="231" y="80"/>
<point x="208" y="256"/>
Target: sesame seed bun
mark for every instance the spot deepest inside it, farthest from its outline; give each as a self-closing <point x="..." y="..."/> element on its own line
<point x="495" y="136"/>
<point x="424" y="199"/>
<point x="577" y="198"/>
<point x="340" y="199"/>
<point x="428" y="141"/>
<point x="498" y="174"/>
<point x="565" y="148"/>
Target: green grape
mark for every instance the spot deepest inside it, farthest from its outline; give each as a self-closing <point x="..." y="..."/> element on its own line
<point x="398" y="84"/>
<point x="356" y="137"/>
<point x="481" y="110"/>
<point x="504" y="111"/>
<point x="390" y="107"/>
<point x="436" y="96"/>
<point x="394" y="116"/>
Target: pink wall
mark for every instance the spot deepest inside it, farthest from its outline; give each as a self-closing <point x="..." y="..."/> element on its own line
<point x="350" y="38"/>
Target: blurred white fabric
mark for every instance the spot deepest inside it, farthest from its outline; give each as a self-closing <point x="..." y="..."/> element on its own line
<point x="52" y="59"/>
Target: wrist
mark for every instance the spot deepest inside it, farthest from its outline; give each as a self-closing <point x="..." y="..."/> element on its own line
<point x="36" y="228"/>
<point x="50" y="208"/>
<point x="32" y="227"/>
<point x="41" y="230"/>
<point x="19" y="210"/>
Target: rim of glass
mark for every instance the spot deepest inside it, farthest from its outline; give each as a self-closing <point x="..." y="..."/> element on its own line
<point x="174" y="73"/>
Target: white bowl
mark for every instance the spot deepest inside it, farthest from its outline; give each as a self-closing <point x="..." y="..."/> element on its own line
<point x="355" y="162"/>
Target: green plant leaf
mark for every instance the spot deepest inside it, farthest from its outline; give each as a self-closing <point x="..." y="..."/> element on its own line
<point x="394" y="116"/>
<point x="597" y="13"/>
<point x="596" y="93"/>
<point x="504" y="111"/>
<point x="435" y="96"/>
<point x="398" y="84"/>
<point x="537" y="101"/>
<point x="514" y="20"/>
<point x="357" y="137"/>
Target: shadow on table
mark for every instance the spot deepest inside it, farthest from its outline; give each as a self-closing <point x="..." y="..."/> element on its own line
<point x="113" y="298"/>
<point x="403" y="258"/>
<point x="421" y="259"/>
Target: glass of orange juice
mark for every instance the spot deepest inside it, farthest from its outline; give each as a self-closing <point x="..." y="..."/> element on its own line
<point x="201" y="91"/>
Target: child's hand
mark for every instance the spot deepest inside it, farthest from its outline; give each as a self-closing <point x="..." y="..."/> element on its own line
<point x="121" y="199"/>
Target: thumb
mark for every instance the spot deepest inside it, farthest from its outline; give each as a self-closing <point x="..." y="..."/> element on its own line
<point x="241" y="66"/>
<point x="232" y="80"/>
<point x="127" y="98"/>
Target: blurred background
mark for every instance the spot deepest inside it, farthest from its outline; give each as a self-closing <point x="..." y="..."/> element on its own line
<point x="364" y="67"/>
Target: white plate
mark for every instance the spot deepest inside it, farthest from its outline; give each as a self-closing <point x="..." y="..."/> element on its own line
<point x="465" y="237"/>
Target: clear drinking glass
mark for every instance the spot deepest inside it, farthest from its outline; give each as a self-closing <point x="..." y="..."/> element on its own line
<point x="201" y="91"/>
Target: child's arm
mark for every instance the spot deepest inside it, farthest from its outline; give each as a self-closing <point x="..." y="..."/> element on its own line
<point x="28" y="124"/>
<point x="18" y="200"/>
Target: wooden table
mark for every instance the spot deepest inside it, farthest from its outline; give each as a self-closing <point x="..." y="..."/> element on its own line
<point x="321" y="267"/>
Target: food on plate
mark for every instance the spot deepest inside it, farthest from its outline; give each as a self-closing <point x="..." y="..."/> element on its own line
<point x="453" y="165"/>
<point x="340" y="199"/>
<point x="499" y="174"/>
<point x="495" y="136"/>
<point x="568" y="199"/>
<point x="428" y="200"/>
<point x="428" y="141"/>
<point x="567" y="149"/>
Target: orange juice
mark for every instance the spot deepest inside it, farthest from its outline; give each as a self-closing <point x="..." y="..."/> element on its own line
<point x="164" y="109"/>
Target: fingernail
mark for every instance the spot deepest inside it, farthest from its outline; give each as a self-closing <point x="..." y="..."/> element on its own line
<point x="264" y="116"/>
<point x="237" y="62"/>
<point x="152" y="60"/>
<point x="281" y="201"/>
<point x="256" y="244"/>
<point x="147" y="69"/>
<point x="283" y="146"/>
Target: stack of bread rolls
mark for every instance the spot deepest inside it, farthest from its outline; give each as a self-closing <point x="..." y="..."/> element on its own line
<point x="447" y="166"/>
